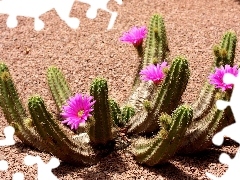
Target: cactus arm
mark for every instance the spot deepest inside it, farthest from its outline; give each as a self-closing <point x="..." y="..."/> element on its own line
<point x="169" y="93"/>
<point x="127" y="112"/>
<point x="59" y="144"/>
<point x="100" y="129"/>
<point x="156" y="43"/>
<point x="115" y="112"/>
<point x="58" y="86"/>
<point x="165" y="144"/>
<point x="13" y="109"/>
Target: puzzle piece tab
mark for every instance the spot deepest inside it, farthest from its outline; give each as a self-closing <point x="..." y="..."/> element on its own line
<point x="8" y="133"/>
<point x="44" y="170"/>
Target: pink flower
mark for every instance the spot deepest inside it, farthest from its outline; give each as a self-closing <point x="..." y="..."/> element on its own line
<point x="153" y="73"/>
<point x="77" y="110"/>
<point x="217" y="78"/>
<point x="134" y="36"/>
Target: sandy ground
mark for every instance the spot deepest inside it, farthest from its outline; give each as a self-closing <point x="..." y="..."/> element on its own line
<point x="193" y="27"/>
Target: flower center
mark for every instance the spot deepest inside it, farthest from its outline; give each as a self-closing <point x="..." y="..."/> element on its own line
<point x="80" y="113"/>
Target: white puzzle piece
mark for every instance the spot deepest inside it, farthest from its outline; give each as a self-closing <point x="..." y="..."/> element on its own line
<point x="8" y="133"/>
<point x="36" y="8"/>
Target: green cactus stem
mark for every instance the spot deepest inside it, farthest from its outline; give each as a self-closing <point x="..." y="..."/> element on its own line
<point x="127" y="113"/>
<point x="202" y="131"/>
<point x="59" y="143"/>
<point x="101" y="123"/>
<point x="166" y="100"/>
<point x="58" y="86"/>
<point x="162" y="147"/>
<point x="156" y="49"/>
<point x="224" y="54"/>
<point x="13" y="109"/>
<point x="115" y="112"/>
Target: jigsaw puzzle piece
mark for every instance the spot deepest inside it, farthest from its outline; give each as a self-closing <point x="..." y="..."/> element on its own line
<point x="3" y="165"/>
<point x="63" y="8"/>
<point x="8" y="133"/>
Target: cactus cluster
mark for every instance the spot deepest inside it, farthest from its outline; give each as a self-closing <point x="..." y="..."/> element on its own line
<point x="161" y="123"/>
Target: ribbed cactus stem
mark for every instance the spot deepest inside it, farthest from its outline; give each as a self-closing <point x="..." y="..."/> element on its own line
<point x="228" y="46"/>
<point x="57" y="142"/>
<point x="156" y="43"/>
<point x="115" y="112"/>
<point x="13" y="109"/>
<point x="100" y="131"/>
<point x="224" y="54"/>
<point x="163" y="146"/>
<point x="58" y="86"/>
<point x="166" y="100"/>
<point x="127" y="112"/>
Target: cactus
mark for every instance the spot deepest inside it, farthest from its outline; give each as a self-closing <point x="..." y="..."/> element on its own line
<point x="170" y="92"/>
<point x="160" y="148"/>
<point x="156" y="49"/>
<point x="100" y="128"/>
<point x="147" y="110"/>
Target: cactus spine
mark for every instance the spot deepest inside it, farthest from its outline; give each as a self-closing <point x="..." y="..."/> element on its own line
<point x="169" y="93"/>
<point x="100" y="130"/>
<point x="160" y="148"/>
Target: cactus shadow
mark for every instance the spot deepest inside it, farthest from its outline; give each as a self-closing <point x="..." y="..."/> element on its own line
<point x="113" y="163"/>
<point x="208" y="156"/>
<point x="238" y="1"/>
<point x="169" y="171"/>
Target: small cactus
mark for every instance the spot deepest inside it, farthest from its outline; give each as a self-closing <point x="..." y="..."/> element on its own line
<point x="115" y="113"/>
<point x="127" y="113"/>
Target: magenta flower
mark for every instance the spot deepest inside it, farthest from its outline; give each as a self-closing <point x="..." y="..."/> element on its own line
<point x="134" y="36"/>
<point x="217" y="78"/>
<point x="77" y="110"/>
<point x="153" y="73"/>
